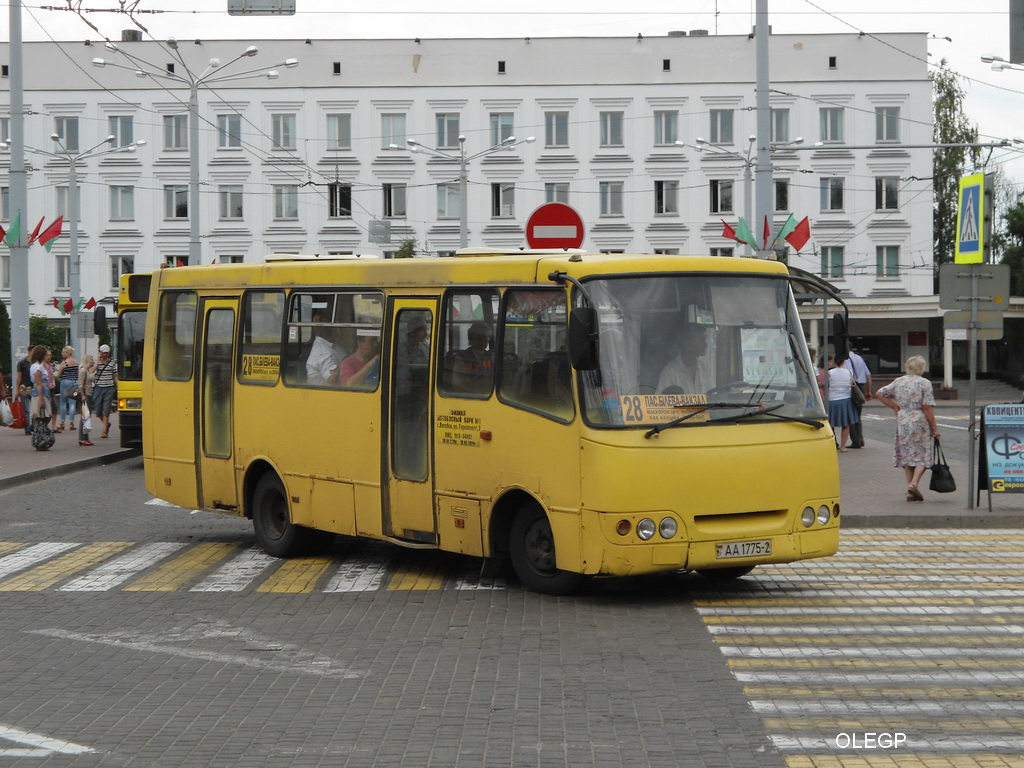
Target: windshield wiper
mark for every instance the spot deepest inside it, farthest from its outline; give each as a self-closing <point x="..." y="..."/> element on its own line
<point x="759" y="410"/>
<point x="703" y="408"/>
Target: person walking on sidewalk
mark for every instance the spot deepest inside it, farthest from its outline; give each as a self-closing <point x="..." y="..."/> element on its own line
<point x="911" y="398"/>
<point x="67" y="372"/>
<point x="104" y="388"/>
<point x="841" y="413"/>
<point x="23" y="389"/>
<point x="862" y="375"/>
<point x="86" y="379"/>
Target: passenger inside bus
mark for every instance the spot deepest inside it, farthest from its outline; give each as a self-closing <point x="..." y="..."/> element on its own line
<point x="688" y="372"/>
<point x="473" y="367"/>
<point x="323" y="365"/>
<point x="362" y="368"/>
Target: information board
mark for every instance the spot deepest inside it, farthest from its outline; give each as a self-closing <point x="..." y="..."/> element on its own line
<point x="1002" y="452"/>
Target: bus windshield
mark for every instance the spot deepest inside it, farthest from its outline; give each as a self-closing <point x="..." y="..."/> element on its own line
<point x="132" y="337"/>
<point x="712" y="347"/>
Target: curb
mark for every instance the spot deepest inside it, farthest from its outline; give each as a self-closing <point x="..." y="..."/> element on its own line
<point x="47" y="473"/>
<point x="983" y="519"/>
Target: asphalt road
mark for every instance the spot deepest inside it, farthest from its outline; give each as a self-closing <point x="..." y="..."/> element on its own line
<point x="137" y="634"/>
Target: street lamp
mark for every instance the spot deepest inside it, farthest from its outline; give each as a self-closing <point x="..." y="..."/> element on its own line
<point x="749" y="161"/>
<point x="999" y="63"/>
<point x="193" y="81"/>
<point x="463" y="159"/>
<point x="74" y="211"/>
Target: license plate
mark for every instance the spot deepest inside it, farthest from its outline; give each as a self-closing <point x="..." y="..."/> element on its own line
<point x="743" y="549"/>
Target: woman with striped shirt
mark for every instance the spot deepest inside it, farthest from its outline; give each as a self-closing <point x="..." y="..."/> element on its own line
<point x="67" y="372"/>
<point x="105" y="387"/>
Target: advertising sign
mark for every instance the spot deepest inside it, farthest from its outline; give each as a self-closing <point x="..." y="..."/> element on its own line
<point x="1002" y="452"/>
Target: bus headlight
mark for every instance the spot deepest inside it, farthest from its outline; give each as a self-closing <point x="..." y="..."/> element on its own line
<point x="823" y="515"/>
<point x="134" y="403"/>
<point x="807" y="518"/>
<point x="622" y="527"/>
<point x="668" y="528"/>
<point x="645" y="529"/>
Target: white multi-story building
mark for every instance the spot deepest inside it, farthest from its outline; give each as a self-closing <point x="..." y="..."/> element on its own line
<point x="305" y="162"/>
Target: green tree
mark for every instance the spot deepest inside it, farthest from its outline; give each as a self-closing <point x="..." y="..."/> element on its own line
<point x="5" y="340"/>
<point x="949" y="163"/>
<point x="41" y="332"/>
<point x="407" y="249"/>
<point x="1012" y="242"/>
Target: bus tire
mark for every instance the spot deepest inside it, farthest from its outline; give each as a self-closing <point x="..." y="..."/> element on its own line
<point x="532" y="551"/>
<point x="724" y="574"/>
<point x="271" y="520"/>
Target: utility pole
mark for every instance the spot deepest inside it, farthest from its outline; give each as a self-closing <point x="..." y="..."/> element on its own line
<point x="18" y="192"/>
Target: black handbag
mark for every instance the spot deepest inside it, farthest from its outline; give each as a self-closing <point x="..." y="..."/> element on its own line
<point x="942" y="479"/>
<point x="857" y="394"/>
<point x="42" y="436"/>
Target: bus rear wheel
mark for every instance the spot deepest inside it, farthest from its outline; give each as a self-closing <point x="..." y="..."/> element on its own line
<point x="532" y="551"/>
<point x="271" y="520"/>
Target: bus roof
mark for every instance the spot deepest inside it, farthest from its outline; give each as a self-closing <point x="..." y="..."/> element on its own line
<point x="507" y="268"/>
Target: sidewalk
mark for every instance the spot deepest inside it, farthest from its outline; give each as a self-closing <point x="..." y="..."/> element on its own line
<point x="20" y="463"/>
<point x="873" y="491"/>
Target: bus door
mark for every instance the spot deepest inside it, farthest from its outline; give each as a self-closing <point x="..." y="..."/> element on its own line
<point x="215" y="471"/>
<point x="408" y="503"/>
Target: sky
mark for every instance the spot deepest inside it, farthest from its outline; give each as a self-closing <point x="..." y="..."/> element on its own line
<point x="958" y="32"/>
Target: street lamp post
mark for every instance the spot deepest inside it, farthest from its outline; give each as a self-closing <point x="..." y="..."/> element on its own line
<point x="193" y="81"/>
<point x="463" y="159"/>
<point x="74" y="211"/>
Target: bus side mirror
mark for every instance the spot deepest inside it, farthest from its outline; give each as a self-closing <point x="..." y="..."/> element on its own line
<point x="583" y="338"/>
<point x="99" y="321"/>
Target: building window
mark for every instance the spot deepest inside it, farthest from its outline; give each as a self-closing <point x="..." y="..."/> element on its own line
<point x="61" y="265"/>
<point x="556" y="192"/>
<point x="175" y="131"/>
<point x="121" y="130"/>
<point x="448" y="201"/>
<point x="887" y="124"/>
<point x="721" y="196"/>
<point x="5" y="203"/>
<point x="556" y="129"/>
<point x="66" y="129"/>
<point x="394" y="201"/>
<point x="724" y="251"/>
<point x="283" y="127"/>
<point x="5" y="272"/>
<point x="61" y="195"/>
<point x="5" y="128"/>
<point x="780" y="126"/>
<point x="232" y="259"/>
<point x="832" y="194"/>
<point x="501" y="127"/>
<point x="339" y="131"/>
<point x="175" y="201"/>
<point x="339" y="200"/>
<point x="229" y="131"/>
<point x="666" y="129"/>
<point x="176" y="261"/>
<point x="120" y="265"/>
<point x="666" y="251"/>
<point x="831" y="124"/>
<point x="781" y="195"/>
<point x="887" y="261"/>
<point x="392" y="127"/>
<point x="503" y="201"/>
<point x="122" y="203"/>
<point x="611" y="129"/>
<point x="286" y="201"/>
<point x="721" y="126"/>
<point x="447" y="130"/>
<point x="666" y="197"/>
<point x="887" y="193"/>
<point x="611" y="198"/>
<point x="832" y="261"/>
<point x="230" y="196"/>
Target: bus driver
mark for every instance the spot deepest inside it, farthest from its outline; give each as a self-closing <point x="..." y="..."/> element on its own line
<point x="688" y="372"/>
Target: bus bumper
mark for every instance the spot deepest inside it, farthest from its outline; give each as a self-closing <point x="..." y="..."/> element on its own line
<point x="130" y="426"/>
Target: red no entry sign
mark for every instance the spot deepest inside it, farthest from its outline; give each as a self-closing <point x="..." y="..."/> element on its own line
<point x="554" y="225"/>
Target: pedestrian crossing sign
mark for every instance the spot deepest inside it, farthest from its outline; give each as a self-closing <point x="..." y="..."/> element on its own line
<point x="970" y="220"/>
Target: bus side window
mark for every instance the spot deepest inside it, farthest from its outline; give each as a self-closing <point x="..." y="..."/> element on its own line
<point x="175" y="343"/>
<point x="468" y="357"/>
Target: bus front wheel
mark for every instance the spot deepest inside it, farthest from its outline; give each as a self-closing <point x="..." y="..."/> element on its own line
<point x="271" y="521"/>
<point x="532" y="551"/>
<point x="724" y="574"/>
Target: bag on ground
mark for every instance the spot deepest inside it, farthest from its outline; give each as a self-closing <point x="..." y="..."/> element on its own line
<point x="942" y="479"/>
<point x="6" y="415"/>
<point x="18" y="410"/>
<point x="86" y="418"/>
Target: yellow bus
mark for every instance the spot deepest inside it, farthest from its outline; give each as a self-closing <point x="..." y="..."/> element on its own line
<point x="132" y="306"/>
<point x="535" y="408"/>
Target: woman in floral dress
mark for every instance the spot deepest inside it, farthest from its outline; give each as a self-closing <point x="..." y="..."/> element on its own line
<point x="911" y="397"/>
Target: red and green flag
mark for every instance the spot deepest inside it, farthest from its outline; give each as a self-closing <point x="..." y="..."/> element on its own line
<point x="13" y="234"/>
<point x="35" y="232"/>
<point x="51" y="233"/>
<point x="800" y="235"/>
